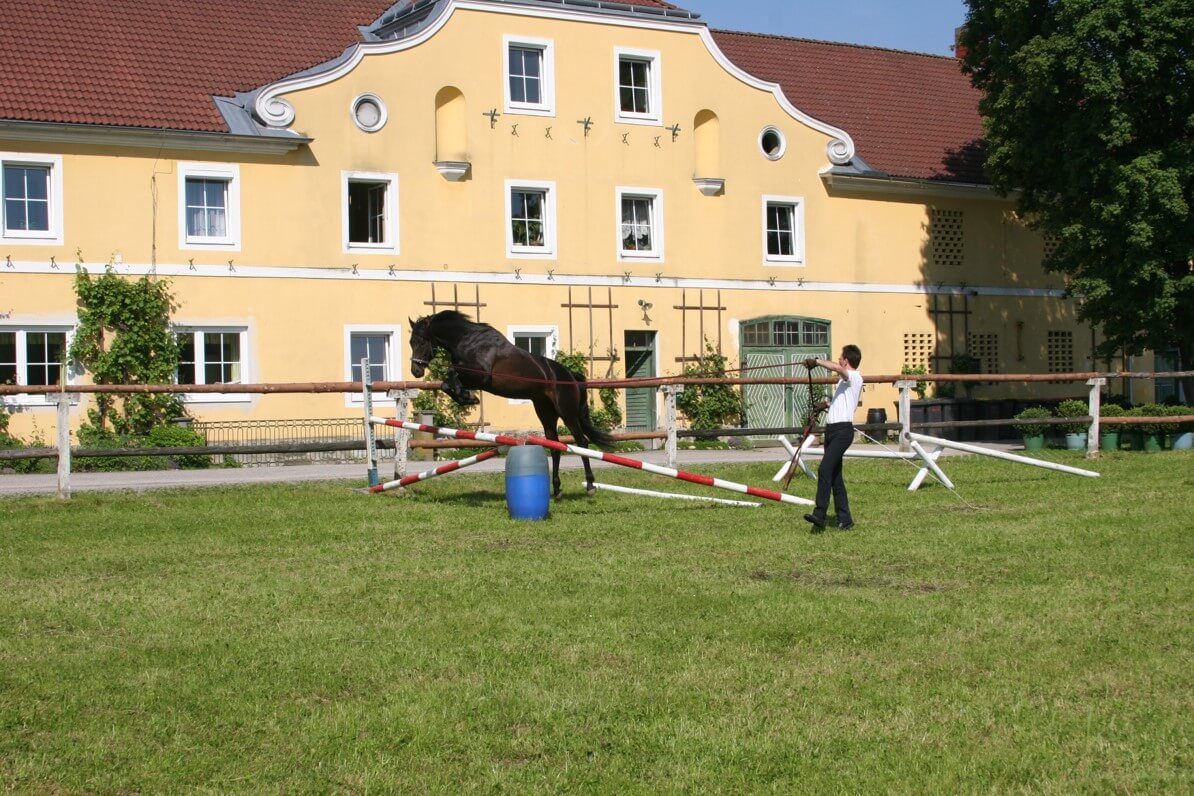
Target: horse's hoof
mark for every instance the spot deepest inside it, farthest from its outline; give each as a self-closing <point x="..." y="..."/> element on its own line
<point x="590" y="490"/>
<point x="559" y="494"/>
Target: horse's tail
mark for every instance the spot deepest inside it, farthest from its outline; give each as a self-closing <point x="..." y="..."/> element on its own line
<point x="595" y="435"/>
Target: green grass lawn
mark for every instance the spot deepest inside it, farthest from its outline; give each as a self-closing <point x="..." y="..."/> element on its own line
<point x="1036" y="637"/>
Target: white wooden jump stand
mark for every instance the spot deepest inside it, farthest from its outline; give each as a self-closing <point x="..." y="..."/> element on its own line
<point x="912" y="446"/>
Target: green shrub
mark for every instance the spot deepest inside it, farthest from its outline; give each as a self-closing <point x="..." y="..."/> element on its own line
<point x="1176" y="410"/>
<point x="180" y="437"/>
<point x="1032" y="413"/>
<point x="96" y="438"/>
<point x="1111" y="410"/>
<point x="921" y="387"/>
<point x="1072" y="407"/>
<point x="23" y="466"/>
<point x="1153" y="410"/>
<point x="710" y="405"/>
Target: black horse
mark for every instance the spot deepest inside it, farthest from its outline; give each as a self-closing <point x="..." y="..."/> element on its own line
<point x="483" y="359"/>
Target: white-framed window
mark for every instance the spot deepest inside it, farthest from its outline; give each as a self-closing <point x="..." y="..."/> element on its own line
<point x="209" y="206"/>
<point x="34" y="356"/>
<point x="783" y="230"/>
<point x="530" y="219"/>
<point x="31" y="193"/>
<point x="638" y="93"/>
<point x="212" y="355"/>
<point x="541" y="340"/>
<point x="382" y="344"/>
<point x="529" y="75"/>
<point x="640" y="223"/>
<point x="369" y="211"/>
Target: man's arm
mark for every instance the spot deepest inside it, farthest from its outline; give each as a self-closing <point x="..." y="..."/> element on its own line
<point x="813" y="362"/>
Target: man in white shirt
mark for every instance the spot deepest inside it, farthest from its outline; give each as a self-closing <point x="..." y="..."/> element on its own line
<point x="839" y="434"/>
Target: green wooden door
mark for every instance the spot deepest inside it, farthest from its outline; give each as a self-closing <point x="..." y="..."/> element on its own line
<point x="639" y="350"/>
<point x="778" y="346"/>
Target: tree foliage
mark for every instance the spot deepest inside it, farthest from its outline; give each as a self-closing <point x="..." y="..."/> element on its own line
<point x="1088" y="108"/>
<point x="124" y="337"/>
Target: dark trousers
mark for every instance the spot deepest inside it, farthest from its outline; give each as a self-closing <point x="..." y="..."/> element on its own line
<point x="838" y="437"/>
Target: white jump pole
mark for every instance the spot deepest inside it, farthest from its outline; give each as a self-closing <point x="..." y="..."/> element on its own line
<point x="626" y="490"/>
<point x="443" y="469"/>
<point x="997" y="454"/>
<point x="589" y="453"/>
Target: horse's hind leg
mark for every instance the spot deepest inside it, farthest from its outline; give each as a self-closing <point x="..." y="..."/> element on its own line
<point x="548" y="417"/>
<point x="582" y="441"/>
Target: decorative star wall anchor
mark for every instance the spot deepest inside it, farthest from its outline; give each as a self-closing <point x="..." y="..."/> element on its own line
<point x="493" y="117"/>
<point x="587" y="122"/>
<point x="675" y="128"/>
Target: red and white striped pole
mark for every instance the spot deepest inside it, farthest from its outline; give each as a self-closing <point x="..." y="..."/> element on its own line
<point x="432" y="473"/>
<point x="589" y="453"/>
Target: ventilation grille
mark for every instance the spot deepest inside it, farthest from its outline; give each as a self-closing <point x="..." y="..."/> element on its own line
<point x="918" y="350"/>
<point x="985" y="348"/>
<point x="945" y="236"/>
<point x="1060" y="352"/>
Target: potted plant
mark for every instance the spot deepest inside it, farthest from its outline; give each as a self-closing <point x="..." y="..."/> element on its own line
<point x="1151" y="432"/>
<point x="965" y="363"/>
<point x="1033" y="433"/>
<point x="1183" y="438"/>
<point x="1109" y="434"/>
<point x="1075" y="433"/>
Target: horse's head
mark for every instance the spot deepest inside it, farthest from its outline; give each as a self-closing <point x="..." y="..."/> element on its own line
<point x="422" y="347"/>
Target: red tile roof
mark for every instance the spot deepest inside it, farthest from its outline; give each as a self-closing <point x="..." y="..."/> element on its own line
<point x="158" y="63"/>
<point x="910" y="114"/>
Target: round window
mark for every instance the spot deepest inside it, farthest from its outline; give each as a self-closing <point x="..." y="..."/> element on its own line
<point x="369" y="112"/>
<point x="772" y="142"/>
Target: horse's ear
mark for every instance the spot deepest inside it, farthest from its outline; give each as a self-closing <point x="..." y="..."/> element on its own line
<point x="412" y="323"/>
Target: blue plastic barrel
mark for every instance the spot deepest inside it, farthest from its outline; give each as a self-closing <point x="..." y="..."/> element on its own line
<point x="528" y="493"/>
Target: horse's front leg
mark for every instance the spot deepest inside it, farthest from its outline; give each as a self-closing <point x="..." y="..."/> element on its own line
<point x="456" y="391"/>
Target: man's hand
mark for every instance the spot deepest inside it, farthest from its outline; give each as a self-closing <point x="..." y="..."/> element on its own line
<point x="822" y="406"/>
<point x="810" y="363"/>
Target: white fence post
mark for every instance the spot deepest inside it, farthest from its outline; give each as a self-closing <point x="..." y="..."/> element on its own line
<point x="905" y="412"/>
<point x="670" y="391"/>
<point x="370" y="436"/>
<point x="64" y="400"/>
<point x="1093" y="403"/>
<point x="402" y="399"/>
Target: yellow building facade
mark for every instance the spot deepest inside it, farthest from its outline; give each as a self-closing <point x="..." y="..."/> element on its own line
<point x="582" y="180"/>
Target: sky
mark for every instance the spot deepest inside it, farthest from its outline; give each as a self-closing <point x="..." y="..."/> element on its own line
<point x="925" y="26"/>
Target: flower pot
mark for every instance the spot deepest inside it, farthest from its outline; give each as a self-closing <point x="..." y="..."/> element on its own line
<point x="1109" y="441"/>
<point x="1183" y="441"/>
<point x="1152" y="443"/>
<point x="1034" y="443"/>
<point x="1075" y="441"/>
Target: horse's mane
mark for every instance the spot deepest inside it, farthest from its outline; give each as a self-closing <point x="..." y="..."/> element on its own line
<point x="451" y="320"/>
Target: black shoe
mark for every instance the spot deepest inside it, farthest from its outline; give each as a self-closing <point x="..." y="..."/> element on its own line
<point x="845" y="526"/>
<point x="818" y="522"/>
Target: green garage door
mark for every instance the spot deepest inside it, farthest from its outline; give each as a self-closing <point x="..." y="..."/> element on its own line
<point x="777" y="346"/>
